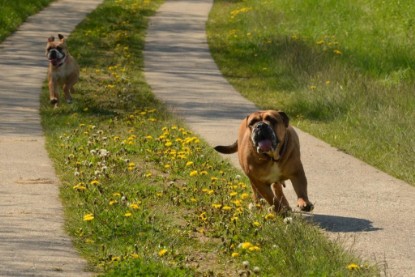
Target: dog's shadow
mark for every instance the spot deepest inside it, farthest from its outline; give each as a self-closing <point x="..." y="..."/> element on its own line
<point x="337" y="224"/>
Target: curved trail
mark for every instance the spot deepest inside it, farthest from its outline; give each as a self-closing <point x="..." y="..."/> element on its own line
<point x="369" y="211"/>
<point x="32" y="239"/>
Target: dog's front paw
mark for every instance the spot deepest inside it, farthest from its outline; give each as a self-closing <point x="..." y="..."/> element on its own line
<point x="54" y="101"/>
<point x="305" y="206"/>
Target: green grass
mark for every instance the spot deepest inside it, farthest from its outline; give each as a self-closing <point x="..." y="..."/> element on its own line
<point x="13" y="13"/>
<point x="143" y="196"/>
<point x="343" y="70"/>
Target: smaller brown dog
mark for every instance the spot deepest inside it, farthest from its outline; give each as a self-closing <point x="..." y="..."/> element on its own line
<point x="63" y="69"/>
<point x="269" y="153"/>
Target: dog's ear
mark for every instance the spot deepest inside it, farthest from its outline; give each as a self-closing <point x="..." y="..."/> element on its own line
<point x="246" y="121"/>
<point x="51" y="38"/>
<point x="284" y="117"/>
<point x="61" y="37"/>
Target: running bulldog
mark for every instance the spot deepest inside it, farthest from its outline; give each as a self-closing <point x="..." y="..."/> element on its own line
<point x="269" y="153"/>
<point x="63" y="69"/>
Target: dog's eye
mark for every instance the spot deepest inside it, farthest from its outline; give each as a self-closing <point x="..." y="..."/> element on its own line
<point x="252" y="122"/>
<point x="59" y="48"/>
<point x="270" y="119"/>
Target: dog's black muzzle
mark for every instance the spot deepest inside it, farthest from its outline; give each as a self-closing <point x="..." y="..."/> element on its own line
<point x="264" y="138"/>
<point x="55" y="56"/>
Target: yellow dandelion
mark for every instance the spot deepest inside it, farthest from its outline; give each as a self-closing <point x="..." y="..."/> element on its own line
<point x="233" y="193"/>
<point x="217" y="206"/>
<point x="168" y="144"/>
<point x="256" y="224"/>
<point x="134" y="255"/>
<point x="246" y="245"/>
<point x="128" y="214"/>
<point x="79" y="187"/>
<point x="254" y="248"/>
<point x="116" y="259"/>
<point x="94" y="182"/>
<point x="163" y="252"/>
<point x="194" y="200"/>
<point x="203" y="172"/>
<point x="116" y="194"/>
<point x="226" y="208"/>
<point x="214" y="179"/>
<point x="203" y="216"/>
<point x="148" y="174"/>
<point x="236" y="203"/>
<point x="244" y="196"/>
<point x="270" y="216"/>
<point x="89" y="241"/>
<point x="134" y="206"/>
<point x="194" y="173"/>
<point x="89" y="217"/>
<point x="353" y="266"/>
<point x="113" y="202"/>
<point x="235" y="254"/>
<point x="148" y="137"/>
<point x="337" y="52"/>
<point x="189" y="163"/>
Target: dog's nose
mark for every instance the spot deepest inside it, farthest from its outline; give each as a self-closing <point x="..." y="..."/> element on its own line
<point x="261" y="125"/>
<point x="52" y="54"/>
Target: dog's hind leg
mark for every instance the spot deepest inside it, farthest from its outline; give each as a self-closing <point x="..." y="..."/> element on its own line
<point x="279" y="201"/>
<point x="67" y="89"/>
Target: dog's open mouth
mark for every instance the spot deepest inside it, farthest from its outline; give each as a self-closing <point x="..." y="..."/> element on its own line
<point x="264" y="138"/>
<point x="55" y="57"/>
<point x="54" y="62"/>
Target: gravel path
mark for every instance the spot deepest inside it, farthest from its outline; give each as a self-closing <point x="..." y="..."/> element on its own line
<point x="32" y="237"/>
<point x="367" y="210"/>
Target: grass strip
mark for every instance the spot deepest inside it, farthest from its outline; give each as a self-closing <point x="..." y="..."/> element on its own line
<point x="143" y="195"/>
<point x="14" y="13"/>
<point x="343" y="70"/>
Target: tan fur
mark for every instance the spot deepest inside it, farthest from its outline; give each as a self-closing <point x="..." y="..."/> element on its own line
<point x="63" y="75"/>
<point x="267" y="173"/>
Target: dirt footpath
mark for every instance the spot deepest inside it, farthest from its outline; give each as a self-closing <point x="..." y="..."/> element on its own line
<point x="371" y="212"/>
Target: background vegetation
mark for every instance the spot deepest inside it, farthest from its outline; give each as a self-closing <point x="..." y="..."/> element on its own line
<point x="344" y="70"/>
<point x="13" y="13"/>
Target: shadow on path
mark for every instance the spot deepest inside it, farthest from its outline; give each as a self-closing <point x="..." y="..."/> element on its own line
<point x="343" y="224"/>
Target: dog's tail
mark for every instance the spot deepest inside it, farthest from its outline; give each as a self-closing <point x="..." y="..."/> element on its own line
<point x="229" y="149"/>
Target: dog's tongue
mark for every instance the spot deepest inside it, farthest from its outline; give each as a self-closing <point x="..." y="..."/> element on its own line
<point x="265" y="145"/>
<point x="54" y="61"/>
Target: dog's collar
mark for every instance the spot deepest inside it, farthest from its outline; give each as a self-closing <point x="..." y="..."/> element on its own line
<point x="282" y="151"/>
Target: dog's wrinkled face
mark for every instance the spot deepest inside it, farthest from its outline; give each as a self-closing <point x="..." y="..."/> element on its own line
<point x="267" y="130"/>
<point x="56" y="51"/>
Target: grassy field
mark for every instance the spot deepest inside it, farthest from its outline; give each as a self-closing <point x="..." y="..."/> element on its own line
<point x="144" y="196"/>
<point x="343" y="70"/>
<point x="14" y="13"/>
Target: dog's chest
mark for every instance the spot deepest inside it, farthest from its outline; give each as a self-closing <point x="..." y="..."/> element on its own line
<point x="269" y="174"/>
<point x="60" y="73"/>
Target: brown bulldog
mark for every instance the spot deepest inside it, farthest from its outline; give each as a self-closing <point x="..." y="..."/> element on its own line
<point x="269" y="153"/>
<point x="63" y="69"/>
